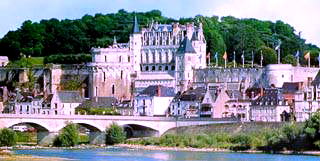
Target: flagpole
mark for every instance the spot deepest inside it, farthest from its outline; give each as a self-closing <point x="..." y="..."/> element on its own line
<point x="279" y="55"/>
<point x="261" y="58"/>
<point x="252" y="59"/>
<point x="319" y="59"/>
<point x="242" y="59"/>
<point x="216" y="56"/>
<point x="234" y="59"/>
<point x="209" y="59"/>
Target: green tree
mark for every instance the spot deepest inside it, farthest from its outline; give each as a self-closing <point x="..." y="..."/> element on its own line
<point x="289" y="59"/>
<point x="115" y="134"/>
<point x="69" y="136"/>
<point x="269" y="56"/>
<point x="312" y="128"/>
<point x="7" y="137"/>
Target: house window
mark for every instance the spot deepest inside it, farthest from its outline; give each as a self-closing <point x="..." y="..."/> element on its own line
<point x="129" y="59"/>
<point x="104" y="76"/>
<point x="160" y="68"/>
<point x="55" y="105"/>
<point x="119" y="59"/>
<point x="166" y="68"/>
<point x="121" y="74"/>
<point x="105" y="58"/>
<point x="112" y="89"/>
<point x="153" y="68"/>
<point x="96" y="91"/>
<point x="173" y="67"/>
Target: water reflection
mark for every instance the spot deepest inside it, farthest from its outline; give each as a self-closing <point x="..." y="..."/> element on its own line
<point x="122" y="154"/>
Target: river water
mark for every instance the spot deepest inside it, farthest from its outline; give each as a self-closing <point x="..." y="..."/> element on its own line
<point x="124" y="154"/>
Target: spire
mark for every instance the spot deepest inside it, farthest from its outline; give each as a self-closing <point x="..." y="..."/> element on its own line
<point x="135" y="28"/>
<point x="186" y="46"/>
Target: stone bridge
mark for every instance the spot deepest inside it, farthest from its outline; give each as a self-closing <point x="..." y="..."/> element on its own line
<point x="48" y="126"/>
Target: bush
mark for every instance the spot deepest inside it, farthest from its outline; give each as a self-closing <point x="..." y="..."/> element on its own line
<point x="7" y="137"/>
<point x="115" y="134"/>
<point x="69" y="136"/>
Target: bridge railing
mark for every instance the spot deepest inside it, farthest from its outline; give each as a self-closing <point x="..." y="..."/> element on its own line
<point x="111" y="117"/>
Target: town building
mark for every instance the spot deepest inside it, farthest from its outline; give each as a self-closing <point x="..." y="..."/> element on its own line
<point x="153" y="101"/>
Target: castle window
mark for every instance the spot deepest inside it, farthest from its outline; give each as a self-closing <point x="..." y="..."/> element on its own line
<point x="104" y="76"/>
<point x="121" y="74"/>
<point x="147" y="68"/>
<point x="153" y="68"/>
<point x="160" y="68"/>
<point x="112" y="89"/>
<point x="166" y="68"/>
<point x="173" y="67"/>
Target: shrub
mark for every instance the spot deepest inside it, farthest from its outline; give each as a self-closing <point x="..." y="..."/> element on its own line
<point x="69" y="136"/>
<point x="115" y="134"/>
<point x="7" y="137"/>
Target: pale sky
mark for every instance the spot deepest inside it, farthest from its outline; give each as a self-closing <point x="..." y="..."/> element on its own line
<point x="301" y="14"/>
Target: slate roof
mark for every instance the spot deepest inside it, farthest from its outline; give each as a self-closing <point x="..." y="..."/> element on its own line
<point x="186" y="47"/>
<point x="159" y="91"/>
<point x="316" y="80"/>
<point x="99" y="102"/>
<point x="135" y="28"/>
<point x="69" y="96"/>
<point x="234" y="94"/>
<point x="194" y="37"/>
<point x="270" y="97"/>
<point x="291" y="87"/>
<point x="193" y="94"/>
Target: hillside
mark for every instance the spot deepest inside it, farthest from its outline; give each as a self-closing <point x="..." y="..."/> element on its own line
<point x="53" y="36"/>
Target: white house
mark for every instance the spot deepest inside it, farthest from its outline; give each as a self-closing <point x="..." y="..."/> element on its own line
<point x="65" y="102"/>
<point x="153" y="101"/>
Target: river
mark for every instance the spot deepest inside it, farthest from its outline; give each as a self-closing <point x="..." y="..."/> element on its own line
<point x="124" y="154"/>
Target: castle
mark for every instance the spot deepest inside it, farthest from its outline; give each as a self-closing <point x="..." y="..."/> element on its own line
<point x="162" y="54"/>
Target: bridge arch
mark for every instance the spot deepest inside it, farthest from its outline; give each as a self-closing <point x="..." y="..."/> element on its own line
<point x="38" y="126"/>
<point x="136" y="130"/>
<point x="91" y="126"/>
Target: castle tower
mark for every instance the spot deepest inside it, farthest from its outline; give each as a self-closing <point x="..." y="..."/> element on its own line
<point x="135" y="46"/>
<point x="186" y="60"/>
<point x="199" y="44"/>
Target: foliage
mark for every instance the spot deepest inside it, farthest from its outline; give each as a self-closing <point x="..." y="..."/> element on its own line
<point x="71" y="85"/>
<point x="312" y="128"/>
<point x="67" y="37"/>
<point x="97" y="111"/>
<point x="68" y="59"/>
<point x="115" y="134"/>
<point x="26" y="137"/>
<point x="26" y="62"/>
<point x="7" y="137"/>
<point x="290" y="59"/>
<point x="69" y="136"/>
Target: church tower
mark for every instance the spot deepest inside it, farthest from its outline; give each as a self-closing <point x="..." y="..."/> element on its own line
<point x="135" y="46"/>
<point x="186" y="60"/>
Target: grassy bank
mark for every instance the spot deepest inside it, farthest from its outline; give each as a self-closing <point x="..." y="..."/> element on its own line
<point x="282" y="137"/>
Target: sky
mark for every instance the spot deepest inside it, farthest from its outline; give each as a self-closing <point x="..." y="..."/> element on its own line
<point x="301" y="14"/>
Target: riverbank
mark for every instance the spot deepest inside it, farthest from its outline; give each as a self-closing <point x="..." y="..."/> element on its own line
<point x="190" y="149"/>
<point x="10" y="156"/>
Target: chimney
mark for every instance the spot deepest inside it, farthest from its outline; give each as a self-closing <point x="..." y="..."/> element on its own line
<point x="159" y="91"/>
<point x="261" y="91"/>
